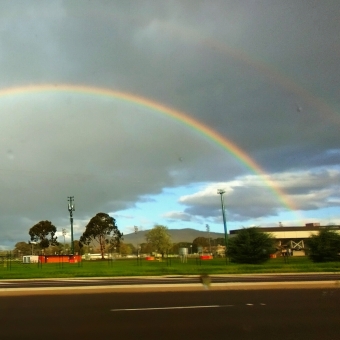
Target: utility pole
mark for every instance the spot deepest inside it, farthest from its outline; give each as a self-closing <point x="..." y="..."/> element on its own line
<point x="70" y="200"/>
<point x="64" y="234"/>
<point x="208" y="231"/>
<point x="136" y="231"/>
<point x="32" y="243"/>
<point x="222" y="192"/>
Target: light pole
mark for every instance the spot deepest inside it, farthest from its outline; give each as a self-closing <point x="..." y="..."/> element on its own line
<point x="70" y="200"/>
<point x="136" y="231"/>
<point x="32" y="243"/>
<point x="222" y="192"/>
<point x="64" y="234"/>
<point x="208" y="231"/>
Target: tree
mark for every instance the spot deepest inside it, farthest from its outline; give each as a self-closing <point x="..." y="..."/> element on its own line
<point x="78" y="247"/>
<point x="251" y="245"/>
<point x="52" y="250"/>
<point x="43" y="232"/>
<point x="218" y="241"/>
<point x="199" y="242"/>
<point x="145" y="248"/>
<point x="325" y="246"/>
<point x="159" y="239"/>
<point x="125" y="249"/>
<point x="23" y="247"/>
<point x="102" y="229"/>
<point x="177" y="246"/>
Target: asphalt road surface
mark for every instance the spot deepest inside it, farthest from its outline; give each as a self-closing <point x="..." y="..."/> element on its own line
<point x="204" y="314"/>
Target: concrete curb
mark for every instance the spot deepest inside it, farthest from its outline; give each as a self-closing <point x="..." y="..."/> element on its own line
<point x="168" y="288"/>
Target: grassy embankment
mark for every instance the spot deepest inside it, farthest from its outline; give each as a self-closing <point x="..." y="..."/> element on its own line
<point x="123" y="267"/>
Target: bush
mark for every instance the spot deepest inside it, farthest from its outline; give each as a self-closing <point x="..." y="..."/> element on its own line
<point x="325" y="246"/>
<point x="251" y="246"/>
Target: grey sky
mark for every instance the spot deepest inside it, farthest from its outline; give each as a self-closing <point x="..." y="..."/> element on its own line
<point x="264" y="74"/>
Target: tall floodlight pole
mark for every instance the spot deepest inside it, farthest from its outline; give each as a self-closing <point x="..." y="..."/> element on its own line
<point x="136" y="231"/>
<point x="64" y="232"/>
<point x="138" y="247"/>
<point x="70" y="200"/>
<point x="222" y="192"/>
<point x="32" y="243"/>
<point x="208" y="231"/>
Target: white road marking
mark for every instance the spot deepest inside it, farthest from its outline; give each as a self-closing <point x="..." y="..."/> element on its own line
<point x="168" y="308"/>
<point x="249" y="304"/>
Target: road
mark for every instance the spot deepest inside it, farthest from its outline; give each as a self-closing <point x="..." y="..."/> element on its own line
<point x="204" y="314"/>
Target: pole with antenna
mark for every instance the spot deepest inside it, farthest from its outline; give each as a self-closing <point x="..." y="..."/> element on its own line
<point x="70" y="200"/>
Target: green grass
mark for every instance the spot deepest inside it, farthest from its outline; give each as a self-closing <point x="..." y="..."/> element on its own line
<point x="124" y="267"/>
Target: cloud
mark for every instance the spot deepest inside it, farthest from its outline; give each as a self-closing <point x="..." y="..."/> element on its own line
<point x="248" y="197"/>
<point x="177" y="215"/>
<point x="239" y="68"/>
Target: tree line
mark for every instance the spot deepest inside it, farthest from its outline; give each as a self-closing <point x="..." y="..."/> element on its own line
<point x="250" y="245"/>
<point x="102" y="234"/>
<point x="101" y="229"/>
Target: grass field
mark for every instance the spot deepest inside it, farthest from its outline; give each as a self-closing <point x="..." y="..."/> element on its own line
<point x="130" y="267"/>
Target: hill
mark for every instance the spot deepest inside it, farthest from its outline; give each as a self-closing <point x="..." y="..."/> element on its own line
<point x="177" y="235"/>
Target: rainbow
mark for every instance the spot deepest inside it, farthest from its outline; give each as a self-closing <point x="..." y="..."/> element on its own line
<point x="176" y="115"/>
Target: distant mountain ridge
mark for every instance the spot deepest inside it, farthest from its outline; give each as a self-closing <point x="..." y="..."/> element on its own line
<point x="177" y="235"/>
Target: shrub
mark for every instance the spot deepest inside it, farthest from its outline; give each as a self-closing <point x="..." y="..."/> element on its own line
<point x="251" y="245"/>
<point x="325" y="246"/>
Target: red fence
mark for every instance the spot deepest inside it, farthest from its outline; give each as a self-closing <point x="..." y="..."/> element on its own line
<point x="59" y="258"/>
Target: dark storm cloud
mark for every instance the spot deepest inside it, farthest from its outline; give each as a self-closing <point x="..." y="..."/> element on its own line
<point x="261" y="73"/>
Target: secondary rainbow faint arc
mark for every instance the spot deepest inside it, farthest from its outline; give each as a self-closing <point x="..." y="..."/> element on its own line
<point x="183" y="118"/>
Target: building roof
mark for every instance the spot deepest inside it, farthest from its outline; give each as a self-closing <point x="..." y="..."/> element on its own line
<point x="282" y="229"/>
